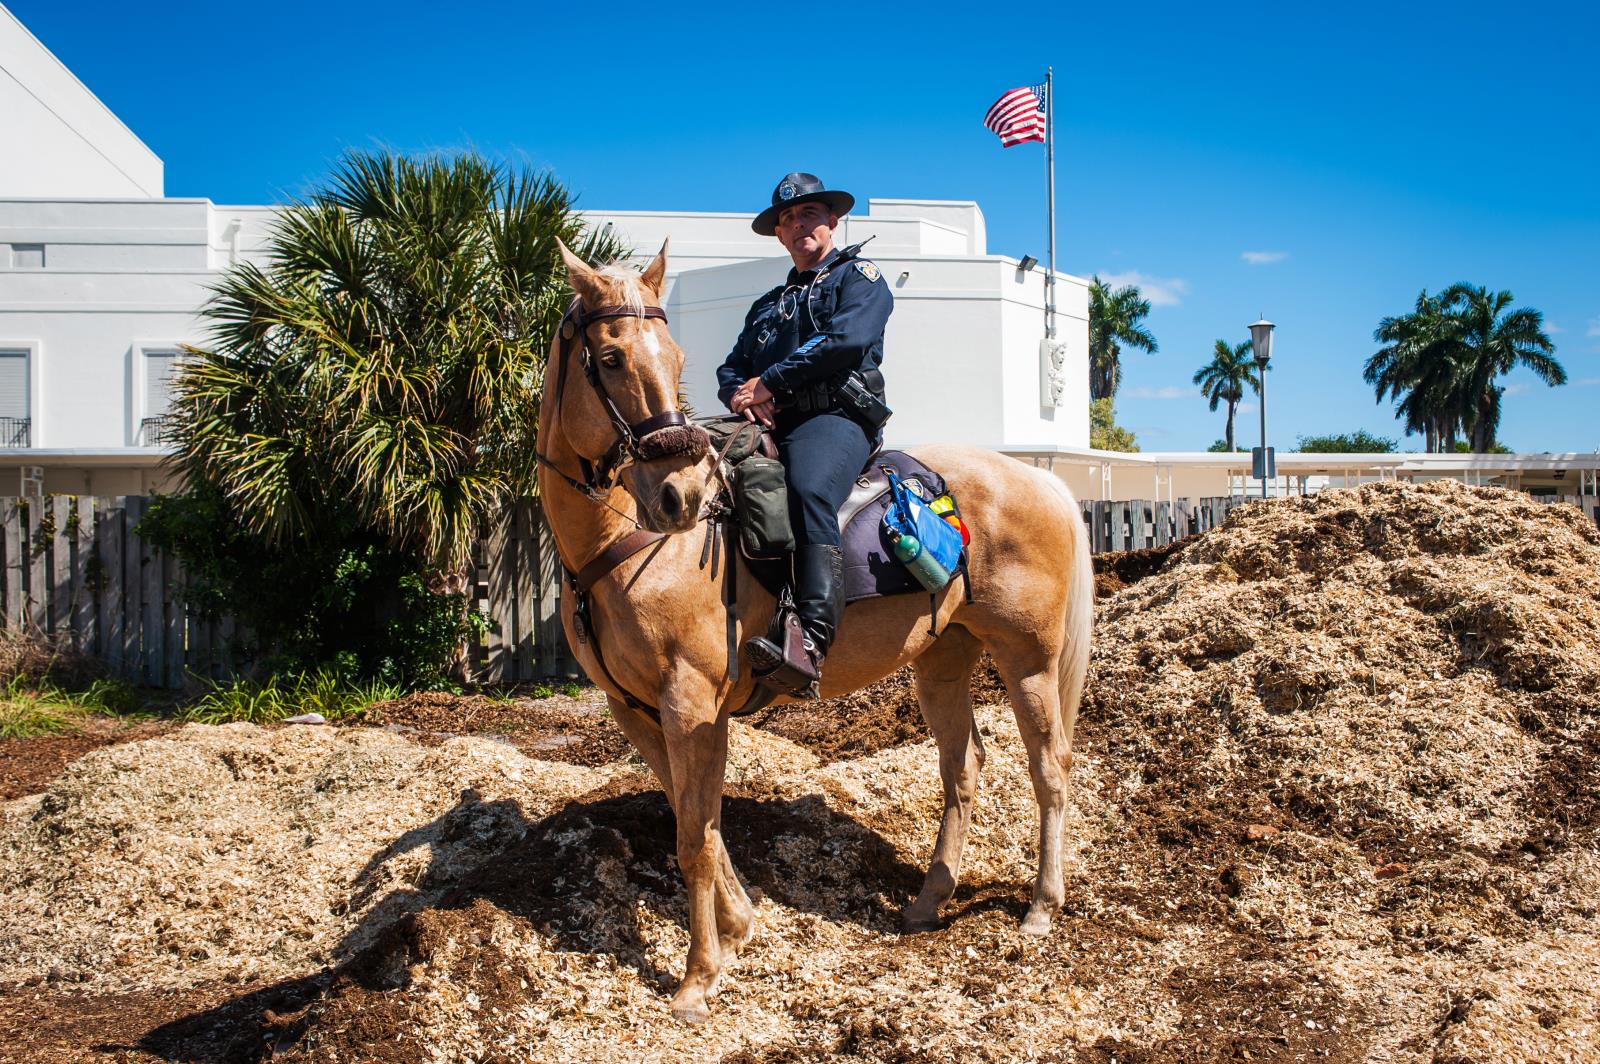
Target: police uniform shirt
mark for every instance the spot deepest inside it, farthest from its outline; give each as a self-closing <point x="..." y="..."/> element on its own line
<point x="816" y="328"/>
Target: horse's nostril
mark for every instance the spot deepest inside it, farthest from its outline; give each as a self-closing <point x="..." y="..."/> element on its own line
<point x="671" y="502"/>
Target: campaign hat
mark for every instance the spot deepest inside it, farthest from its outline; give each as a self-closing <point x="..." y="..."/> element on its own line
<point x="799" y="188"/>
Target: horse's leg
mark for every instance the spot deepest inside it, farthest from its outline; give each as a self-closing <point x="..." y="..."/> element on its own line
<point x="735" y="914"/>
<point x="944" y="690"/>
<point x="697" y="749"/>
<point x="1033" y="683"/>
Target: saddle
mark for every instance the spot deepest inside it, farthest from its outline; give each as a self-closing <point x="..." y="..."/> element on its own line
<point x="760" y="505"/>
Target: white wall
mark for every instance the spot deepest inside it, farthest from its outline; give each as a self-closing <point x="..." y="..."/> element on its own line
<point x="58" y="139"/>
<point x="961" y="351"/>
<point x="120" y="276"/>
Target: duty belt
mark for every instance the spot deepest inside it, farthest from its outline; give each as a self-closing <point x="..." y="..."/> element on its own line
<point x="823" y="396"/>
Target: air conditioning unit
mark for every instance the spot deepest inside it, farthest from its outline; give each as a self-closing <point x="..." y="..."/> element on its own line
<point x="32" y="482"/>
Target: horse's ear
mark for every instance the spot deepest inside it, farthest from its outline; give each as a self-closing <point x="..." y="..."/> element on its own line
<point x="656" y="272"/>
<point x="580" y="276"/>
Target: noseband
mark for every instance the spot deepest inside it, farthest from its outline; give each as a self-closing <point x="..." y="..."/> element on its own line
<point x="663" y="435"/>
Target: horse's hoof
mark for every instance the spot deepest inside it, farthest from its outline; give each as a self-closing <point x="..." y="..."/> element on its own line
<point x="915" y="924"/>
<point x="691" y="1013"/>
<point x="1037" y="922"/>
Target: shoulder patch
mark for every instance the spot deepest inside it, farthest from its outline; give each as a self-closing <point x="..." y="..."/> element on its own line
<point x="869" y="270"/>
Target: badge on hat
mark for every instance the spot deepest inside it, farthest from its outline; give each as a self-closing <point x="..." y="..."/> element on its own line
<point x="797" y="188"/>
<point x="869" y="270"/>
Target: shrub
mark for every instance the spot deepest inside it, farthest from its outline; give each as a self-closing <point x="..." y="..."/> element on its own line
<point x="347" y="601"/>
<point x="363" y="405"/>
<point x="1358" y="442"/>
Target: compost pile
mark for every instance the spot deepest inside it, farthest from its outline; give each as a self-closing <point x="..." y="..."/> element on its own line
<point x="1336" y="797"/>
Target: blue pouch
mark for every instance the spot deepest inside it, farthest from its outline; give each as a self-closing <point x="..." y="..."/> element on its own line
<point x="908" y="514"/>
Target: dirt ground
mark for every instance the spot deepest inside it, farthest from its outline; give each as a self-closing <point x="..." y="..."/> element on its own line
<point x="1336" y="797"/>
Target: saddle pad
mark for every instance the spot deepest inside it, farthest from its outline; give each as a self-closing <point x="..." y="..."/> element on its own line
<point x="870" y="568"/>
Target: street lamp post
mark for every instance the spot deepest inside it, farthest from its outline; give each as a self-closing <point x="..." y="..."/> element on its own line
<point x="1261" y="345"/>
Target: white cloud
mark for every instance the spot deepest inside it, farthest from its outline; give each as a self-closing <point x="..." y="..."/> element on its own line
<point x="1516" y="388"/>
<point x="1169" y="392"/>
<point x="1553" y="329"/>
<point x="1160" y="291"/>
<point x="1594" y="327"/>
<point x="1263" y="258"/>
<point x="1586" y="382"/>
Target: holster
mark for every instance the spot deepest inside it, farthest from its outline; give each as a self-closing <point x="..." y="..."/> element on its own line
<point x="858" y="395"/>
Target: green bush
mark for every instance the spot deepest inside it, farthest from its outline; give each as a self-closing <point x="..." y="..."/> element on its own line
<point x="346" y="601"/>
<point x="363" y="405"/>
<point x="1358" y="442"/>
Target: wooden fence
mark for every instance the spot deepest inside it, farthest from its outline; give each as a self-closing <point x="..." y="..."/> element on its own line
<point x="75" y="570"/>
<point x="1136" y="524"/>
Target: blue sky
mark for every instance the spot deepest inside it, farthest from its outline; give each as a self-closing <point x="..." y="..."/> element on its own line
<point x="1369" y="150"/>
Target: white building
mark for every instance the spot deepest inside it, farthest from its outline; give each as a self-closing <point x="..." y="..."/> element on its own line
<point x="102" y="279"/>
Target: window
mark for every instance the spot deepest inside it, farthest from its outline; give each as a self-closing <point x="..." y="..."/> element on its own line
<point x="159" y="367"/>
<point x="27" y="256"/>
<point x="15" y="423"/>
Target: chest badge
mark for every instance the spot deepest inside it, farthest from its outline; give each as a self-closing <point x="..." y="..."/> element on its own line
<point x="869" y="270"/>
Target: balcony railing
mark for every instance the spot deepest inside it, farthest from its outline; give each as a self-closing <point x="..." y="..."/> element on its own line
<point x="16" y="432"/>
<point x="155" y="431"/>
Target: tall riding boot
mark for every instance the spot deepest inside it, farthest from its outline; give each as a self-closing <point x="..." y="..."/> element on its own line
<point x="794" y="663"/>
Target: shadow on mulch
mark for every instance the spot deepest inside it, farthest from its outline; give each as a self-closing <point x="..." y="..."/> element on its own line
<point x="620" y="842"/>
<point x="1115" y="570"/>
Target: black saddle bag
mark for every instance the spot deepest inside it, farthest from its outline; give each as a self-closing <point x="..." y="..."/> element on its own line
<point x="761" y="502"/>
<point x="760" y="488"/>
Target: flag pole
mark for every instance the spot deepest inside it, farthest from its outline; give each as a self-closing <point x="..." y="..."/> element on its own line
<point x="1050" y="199"/>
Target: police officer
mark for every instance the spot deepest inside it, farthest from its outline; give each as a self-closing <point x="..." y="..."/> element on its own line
<point x="800" y="345"/>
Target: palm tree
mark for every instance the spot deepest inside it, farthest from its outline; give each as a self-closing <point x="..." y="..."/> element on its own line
<point x="1491" y="341"/>
<point x="1417" y="368"/>
<point x="1440" y="362"/>
<point x="382" y="371"/>
<point x="1115" y="318"/>
<point x="1231" y="370"/>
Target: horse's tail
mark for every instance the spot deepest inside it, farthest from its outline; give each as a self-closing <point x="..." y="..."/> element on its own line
<point x="1072" y="668"/>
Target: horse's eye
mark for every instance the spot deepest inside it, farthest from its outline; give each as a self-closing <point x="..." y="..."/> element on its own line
<point x="612" y="357"/>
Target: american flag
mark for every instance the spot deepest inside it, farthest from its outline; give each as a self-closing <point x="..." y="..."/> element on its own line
<point x="1018" y="116"/>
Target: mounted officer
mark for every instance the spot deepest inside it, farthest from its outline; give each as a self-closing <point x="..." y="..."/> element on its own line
<point x="806" y="365"/>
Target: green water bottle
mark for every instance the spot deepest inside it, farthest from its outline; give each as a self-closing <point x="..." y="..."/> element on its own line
<point x="924" y="566"/>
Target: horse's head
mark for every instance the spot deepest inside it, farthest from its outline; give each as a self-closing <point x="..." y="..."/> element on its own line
<point x="626" y="397"/>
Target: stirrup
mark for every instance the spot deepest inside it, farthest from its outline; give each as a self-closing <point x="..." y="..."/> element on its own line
<point x="792" y="668"/>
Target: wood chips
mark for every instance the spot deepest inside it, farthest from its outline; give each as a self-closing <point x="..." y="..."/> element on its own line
<point x="1336" y="797"/>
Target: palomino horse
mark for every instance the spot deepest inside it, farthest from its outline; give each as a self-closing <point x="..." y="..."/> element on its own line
<point x="662" y="629"/>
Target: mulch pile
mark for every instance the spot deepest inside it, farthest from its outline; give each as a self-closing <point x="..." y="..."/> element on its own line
<point x="1336" y="797"/>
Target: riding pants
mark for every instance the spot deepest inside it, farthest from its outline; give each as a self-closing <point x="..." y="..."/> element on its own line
<point x="822" y="456"/>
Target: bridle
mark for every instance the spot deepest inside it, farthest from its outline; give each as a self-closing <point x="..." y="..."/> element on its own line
<point x="646" y="440"/>
<point x="657" y="436"/>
